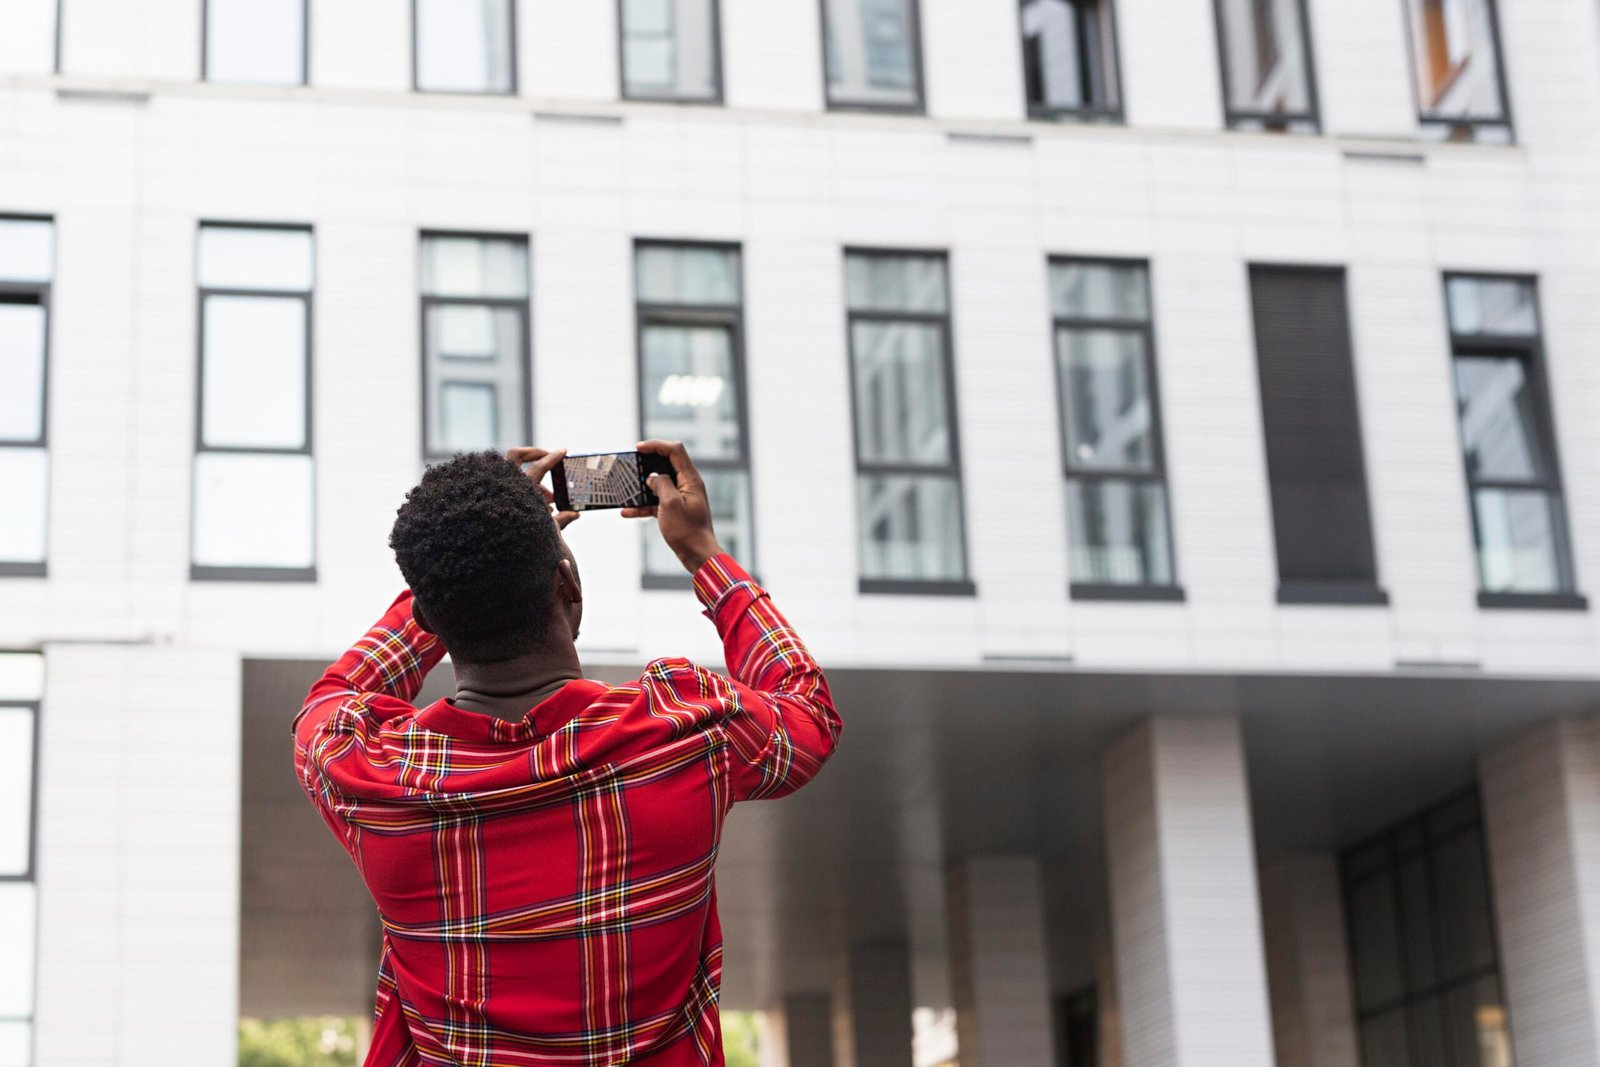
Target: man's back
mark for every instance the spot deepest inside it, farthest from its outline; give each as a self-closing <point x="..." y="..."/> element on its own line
<point x="546" y="886"/>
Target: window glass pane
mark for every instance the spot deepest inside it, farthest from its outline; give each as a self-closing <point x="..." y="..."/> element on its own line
<point x="1263" y="46"/>
<point x="473" y="359"/>
<point x="1458" y="814"/>
<point x="728" y="492"/>
<point x="253" y="511"/>
<point x="17" y="932"/>
<point x="902" y="414"/>
<point x="21" y="675"/>
<point x="1461" y="886"/>
<point x="1383" y="1041"/>
<point x="22" y="344"/>
<point x="1454" y="57"/>
<point x="1119" y="532"/>
<point x="235" y="257"/>
<point x="1416" y="923"/>
<point x="1425" y="1020"/>
<point x="1479" y="1029"/>
<point x="1521" y="547"/>
<point x="24" y="486"/>
<point x="255" y="372"/>
<point x="1099" y="291"/>
<point x="895" y="283"/>
<point x="689" y="389"/>
<point x="685" y="275"/>
<point x="1503" y="306"/>
<point x="27" y="250"/>
<point x="871" y="56"/>
<point x="28" y="46"/>
<point x="1374" y="941"/>
<point x="911" y="527"/>
<point x="16" y="789"/>
<point x="464" y="46"/>
<point x="260" y="42"/>
<point x="1499" y="419"/>
<point x="1106" y="397"/>
<point x="1362" y="861"/>
<point x="16" y="1044"/>
<point x="491" y="267"/>
<point x="467" y="420"/>
<point x="669" y="48"/>
<point x="1069" y="60"/>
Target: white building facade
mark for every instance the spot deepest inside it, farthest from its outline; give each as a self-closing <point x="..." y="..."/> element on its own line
<point x="1170" y="421"/>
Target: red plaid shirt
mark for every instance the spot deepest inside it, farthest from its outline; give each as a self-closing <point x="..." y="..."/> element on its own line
<point x="546" y="885"/>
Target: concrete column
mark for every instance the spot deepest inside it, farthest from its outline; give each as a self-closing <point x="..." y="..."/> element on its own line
<point x="802" y="1034"/>
<point x="1186" y="919"/>
<point x="1541" y="798"/>
<point x="1308" y="967"/>
<point x="998" y="962"/>
<point x="872" y="1008"/>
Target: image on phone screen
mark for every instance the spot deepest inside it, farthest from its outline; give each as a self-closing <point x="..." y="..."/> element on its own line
<point x="607" y="480"/>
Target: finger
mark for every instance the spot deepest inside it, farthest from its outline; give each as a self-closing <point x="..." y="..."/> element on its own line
<point x="525" y="455"/>
<point x="664" y="489"/>
<point x="545" y="464"/>
<point x="566" y="518"/>
<point x="682" y="465"/>
<point x="549" y="497"/>
<point x="639" y="513"/>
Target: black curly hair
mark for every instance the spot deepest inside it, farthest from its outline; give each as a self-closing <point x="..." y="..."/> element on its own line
<point x="479" y="548"/>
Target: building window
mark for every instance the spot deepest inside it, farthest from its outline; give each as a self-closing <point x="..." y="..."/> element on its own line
<point x="691" y="383"/>
<point x="1421" y="931"/>
<point x="474" y="344"/>
<point x="1267" y="78"/>
<point x="256" y="42"/>
<point x="1508" y="441"/>
<point x="464" y="46"/>
<point x="908" y="456"/>
<point x="1121" y="542"/>
<point x="1069" y="59"/>
<point x="872" y="54"/>
<point x="254" y="484"/>
<point x="27" y="264"/>
<point x="1455" y="54"/>
<point x="30" y="43"/>
<point x="21" y="684"/>
<point x="670" y="50"/>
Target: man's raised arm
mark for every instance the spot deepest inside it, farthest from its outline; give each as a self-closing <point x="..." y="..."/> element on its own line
<point x="391" y="660"/>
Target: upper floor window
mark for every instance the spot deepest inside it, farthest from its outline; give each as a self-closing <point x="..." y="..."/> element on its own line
<point x="670" y="50"/>
<point x="27" y="265"/>
<point x="1455" y="53"/>
<point x="256" y="42"/>
<point x="1267" y="78"/>
<point x="872" y="54"/>
<point x="1069" y="59"/>
<point x="464" y="46"/>
<point x="21" y="685"/>
<point x="29" y="42"/>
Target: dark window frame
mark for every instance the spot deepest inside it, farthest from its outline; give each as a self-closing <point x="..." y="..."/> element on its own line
<point x="1112" y="115"/>
<point x="1502" y="82"/>
<point x="1271" y="121"/>
<point x="205" y="44"/>
<point x="31" y="875"/>
<point x="954" y="469"/>
<point x="729" y="316"/>
<point x="918" y="70"/>
<point x="61" y="13"/>
<point x="512" y="90"/>
<point x="523" y="305"/>
<point x="1145" y="328"/>
<point x="716" y="99"/>
<point x="212" y="573"/>
<point x="40" y="294"/>
<point x="1530" y="351"/>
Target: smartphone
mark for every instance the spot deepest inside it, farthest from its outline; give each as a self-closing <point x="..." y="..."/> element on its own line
<point x="608" y="480"/>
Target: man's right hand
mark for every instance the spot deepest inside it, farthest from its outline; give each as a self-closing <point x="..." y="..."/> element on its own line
<point x="684" y="512"/>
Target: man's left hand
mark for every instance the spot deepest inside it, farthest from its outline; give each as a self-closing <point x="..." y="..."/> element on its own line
<point x="540" y="462"/>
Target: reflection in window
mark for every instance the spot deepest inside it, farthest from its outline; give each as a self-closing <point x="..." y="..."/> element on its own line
<point x="254" y="480"/>
<point x="475" y="344"/>
<point x="465" y="46"/>
<point x="1069" y="57"/>
<point x="27" y="256"/>
<point x="256" y="42"/>
<point x="1266" y="65"/>
<point x="1455" y="55"/>
<point x="669" y="49"/>
<point x="871" y="53"/>
<point x="21" y="685"/>
<point x="908" y="490"/>
<point x="691" y="380"/>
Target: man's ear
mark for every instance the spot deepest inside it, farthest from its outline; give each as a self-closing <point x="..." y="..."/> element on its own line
<point x="567" y="586"/>
<point x="419" y="616"/>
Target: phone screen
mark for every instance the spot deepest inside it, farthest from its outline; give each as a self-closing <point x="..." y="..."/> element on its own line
<point x="607" y="480"/>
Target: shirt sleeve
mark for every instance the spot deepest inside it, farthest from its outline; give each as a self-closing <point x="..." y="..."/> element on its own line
<point x="782" y="726"/>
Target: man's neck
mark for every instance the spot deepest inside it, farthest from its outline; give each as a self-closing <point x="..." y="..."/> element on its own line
<point x="507" y="689"/>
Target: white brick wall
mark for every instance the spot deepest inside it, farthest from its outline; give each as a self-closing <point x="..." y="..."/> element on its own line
<point x="998" y="963"/>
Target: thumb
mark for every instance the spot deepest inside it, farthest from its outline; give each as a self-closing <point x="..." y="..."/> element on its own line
<point x="664" y="489"/>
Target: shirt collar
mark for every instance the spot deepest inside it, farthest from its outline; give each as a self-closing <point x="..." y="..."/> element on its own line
<point x="542" y="720"/>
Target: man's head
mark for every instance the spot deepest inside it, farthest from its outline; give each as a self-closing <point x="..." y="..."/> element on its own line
<point x="488" y="568"/>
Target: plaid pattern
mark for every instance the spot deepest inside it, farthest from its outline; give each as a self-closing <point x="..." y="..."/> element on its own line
<point x="546" y="887"/>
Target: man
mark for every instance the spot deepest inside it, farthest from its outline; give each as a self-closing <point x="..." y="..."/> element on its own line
<point x="540" y="847"/>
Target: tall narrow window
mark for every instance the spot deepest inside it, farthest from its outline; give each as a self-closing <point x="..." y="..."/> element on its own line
<point x="464" y="46"/>
<point x="28" y="43"/>
<point x="1313" y="436"/>
<point x="21" y="683"/>
<point x="1267" y="77"/>
<point x="474" y="344"/>
<point x="908" y="457"/>
<point x="691" y="382"/>
<point x="1518" y="519"/>
<point x="1121" y="544"/>
<point x="670" y="50"/>
<point x="1455" y="54"/>
<point x="254" y="484"/>
<point x="872" y="54"/>
<point x="1069" y="59"/>
<point x="1423" y="957"/>
<point x="27" y="264"/>
<point x="256" y="42"/>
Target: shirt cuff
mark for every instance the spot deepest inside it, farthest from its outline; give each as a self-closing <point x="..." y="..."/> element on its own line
<point x="716" y="578"/>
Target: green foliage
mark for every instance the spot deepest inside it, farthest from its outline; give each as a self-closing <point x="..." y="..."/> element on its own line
<point x="741" y="1038"/>
<point x="313" y="1041"/>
